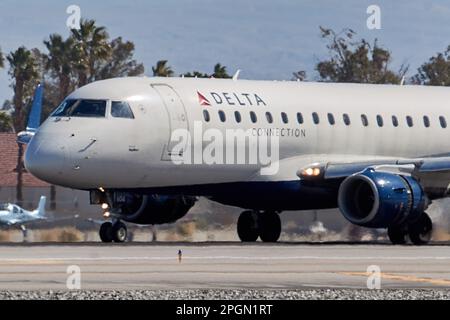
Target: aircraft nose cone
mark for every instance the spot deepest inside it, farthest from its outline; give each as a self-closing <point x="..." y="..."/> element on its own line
<point x="45" y="160"/>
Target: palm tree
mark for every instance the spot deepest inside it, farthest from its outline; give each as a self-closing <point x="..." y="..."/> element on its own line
<point x="162" y="69"/>
<point x="196" y="74"/>
<point x="5" y="122"/>
<point x="121" y="62"/>
<point x="220" y="72"/>
<point x="1" y="59"/>
<point x="91" y="48"/>
<point x="60" y="63"/>
<point x="24" y="71"/>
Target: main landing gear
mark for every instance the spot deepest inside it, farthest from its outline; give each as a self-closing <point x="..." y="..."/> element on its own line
<point x="419" y="231"/>
<point x="113" y="231"/>
<point x="253" y="224"/>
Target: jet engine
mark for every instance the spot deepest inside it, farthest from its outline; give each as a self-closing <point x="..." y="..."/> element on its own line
<point x="380" y="199"/>
<point x="152" y="209"/>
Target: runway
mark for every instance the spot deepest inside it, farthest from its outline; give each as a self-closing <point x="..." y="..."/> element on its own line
<point x="230" y="266"/>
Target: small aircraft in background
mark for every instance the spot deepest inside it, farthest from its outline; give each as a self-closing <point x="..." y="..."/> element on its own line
<point x="11" y="214"/>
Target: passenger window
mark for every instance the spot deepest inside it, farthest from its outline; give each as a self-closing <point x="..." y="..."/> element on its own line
<point x="299" y="118"/>
<point x="394" y="121"/>
<point x="222" y="116"/>
<point x="331" y="119"/>
<point x="443" y="122"/>
<point x="346" y="119"/>
<point x="284" y="117"/>
<point x="269" y="117"/>
<point x="409" y="121"/>
<point x="206" y="115"/>
<point x="380" y="120"/>
<point x="315" y="117"/>
<point x="426" y="121"/>
<point x="121" y="109"/>
<point x="364" y="120"/>
<point x="237" y="116"/>
<point x="253" y="117"/>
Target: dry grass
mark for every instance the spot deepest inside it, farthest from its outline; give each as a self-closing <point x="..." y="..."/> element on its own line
<point x="441" y="234"/>
<point x="5" y="236"/>
<point x="68" y="234"/>
<point x="186" y="229"/>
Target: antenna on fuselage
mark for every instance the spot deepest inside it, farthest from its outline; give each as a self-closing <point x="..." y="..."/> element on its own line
<point x="236" y="75"/>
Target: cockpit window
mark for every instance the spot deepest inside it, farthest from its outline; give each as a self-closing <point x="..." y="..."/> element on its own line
<point x="121" y="109"/>
<point x="81" y="108"/>
<point x="63" y="108"/>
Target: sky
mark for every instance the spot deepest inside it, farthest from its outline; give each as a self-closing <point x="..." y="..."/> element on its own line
<point x="266" y="39"/>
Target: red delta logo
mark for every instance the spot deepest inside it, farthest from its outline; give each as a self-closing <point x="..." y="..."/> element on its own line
<point x="202" y="99"/>
<point x="231" y="99"/>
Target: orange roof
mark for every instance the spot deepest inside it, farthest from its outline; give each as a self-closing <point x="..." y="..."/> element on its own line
<point x="8" y="163"/>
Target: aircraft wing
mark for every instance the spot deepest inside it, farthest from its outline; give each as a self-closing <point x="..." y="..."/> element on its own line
<point x="416" y="167"/>
<point x="432" y="173"/>
<point x="36" y="221"/>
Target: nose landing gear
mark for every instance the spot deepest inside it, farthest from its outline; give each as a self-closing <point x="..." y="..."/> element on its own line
<point x="253" y="224"/>
<point x="116" y="232"/>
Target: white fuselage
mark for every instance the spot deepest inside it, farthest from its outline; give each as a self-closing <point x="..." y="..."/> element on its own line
<point x="119" y="153"/>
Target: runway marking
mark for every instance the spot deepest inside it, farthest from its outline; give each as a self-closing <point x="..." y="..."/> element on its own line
<point x="406" y="278"/>
<point x="256" y="258"/>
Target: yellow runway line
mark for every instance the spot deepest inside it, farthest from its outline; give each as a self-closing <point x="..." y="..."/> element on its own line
<point x="406" y="278"/>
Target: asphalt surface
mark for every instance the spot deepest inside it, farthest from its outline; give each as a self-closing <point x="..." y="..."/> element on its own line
<point x="225" y="266"/>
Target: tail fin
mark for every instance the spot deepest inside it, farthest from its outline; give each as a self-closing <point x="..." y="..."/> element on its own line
<point x="41" y="207"/>
<point x="34" y="119"/>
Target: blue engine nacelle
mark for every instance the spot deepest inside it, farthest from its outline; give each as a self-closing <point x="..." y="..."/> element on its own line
<point x="380" y="199"/>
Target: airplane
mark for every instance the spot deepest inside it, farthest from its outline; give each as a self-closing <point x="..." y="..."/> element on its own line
<point x="11" y="214"/>
<point x="379" y="153"/>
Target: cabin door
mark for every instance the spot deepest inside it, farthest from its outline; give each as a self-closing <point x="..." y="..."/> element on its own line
<point x="177" y="120"/>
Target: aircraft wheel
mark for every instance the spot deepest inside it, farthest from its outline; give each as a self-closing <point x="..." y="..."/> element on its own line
<point x="247" y="226"/>
<point x="420" y="230"/>
<point x="269" y="226"/>
<point x="397" y="234"/>
<point x="119" y="232"/>
<point x="106" y="232"/>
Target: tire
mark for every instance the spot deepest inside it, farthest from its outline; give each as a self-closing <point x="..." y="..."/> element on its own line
<point x="420" y="231"/>
<point x="269" y="226"/>
<point x="397" y="235"/>
<point x="119" y="232"/>
<point x="106" y="232"/>
<point x="247" y="227"/>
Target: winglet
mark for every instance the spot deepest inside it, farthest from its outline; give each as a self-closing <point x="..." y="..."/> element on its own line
<point x="34" y="119"/>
